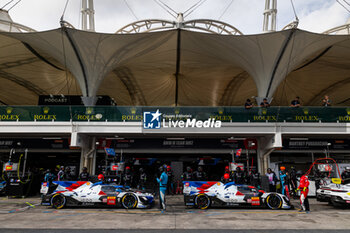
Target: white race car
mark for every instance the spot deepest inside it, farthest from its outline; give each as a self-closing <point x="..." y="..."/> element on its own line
<point x="85" y="193"/>
<point x="337" y="194"/>
<point x="203" y="194"/>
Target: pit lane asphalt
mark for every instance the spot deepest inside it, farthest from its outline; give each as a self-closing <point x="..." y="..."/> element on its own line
<point x="17" y="215"/>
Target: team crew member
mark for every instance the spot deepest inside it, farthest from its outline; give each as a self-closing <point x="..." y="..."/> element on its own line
<point x="84" y="175"/>
<point x="317" y="177"/>
<point x="239" y="176"/>
<point x="188" y="174"/>
<point x="284" y="181"/>
<point x="143" y="179"/>
<point x="226" y="178"/>
<point x="255" y="178"/>
<point x="128" y="177"/>
<point x="68" y="174"/>
<point x="49" y="178"/>
<point x="346" y="173"/>
<point x="200" y="175"/>
<point x="272" y="180"/>
<point x="60" y="174"/>
<point x="293" y="181"/>
<point x="101" y="178"/>
<point x="304" y="190"/>
<point x="231" y="174"/>
<point x="163" y="182"/>
<point x="170" y="186"/>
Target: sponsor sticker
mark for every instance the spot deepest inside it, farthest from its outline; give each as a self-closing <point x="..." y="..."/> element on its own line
<point x="8" y="168"/>
<point x="111" y="200"/>
<point x="255" y="200"/>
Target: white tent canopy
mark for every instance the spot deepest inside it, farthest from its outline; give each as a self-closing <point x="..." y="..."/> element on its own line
<point x="174" y="67"/>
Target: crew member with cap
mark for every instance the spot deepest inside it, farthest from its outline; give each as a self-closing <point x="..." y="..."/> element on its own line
<point x="304" y="190"/>
<point x="284" y="181"/>
<point x="49" y="178"/>
<point x="163" y="182"/>
<point x="128" y="177"/>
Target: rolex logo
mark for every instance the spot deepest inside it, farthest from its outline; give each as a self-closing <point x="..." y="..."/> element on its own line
<point x="9" y="110"/>
<point x="133" y="111"/>
<point x="89" y="110"/>
<point x="221" y="111"/>
<point x="306" y="111"/>
<point x="264" y="111"/>
<point x="46" y="110"/>
<point x="348" y="111"/>
<point x="177" y="111"/>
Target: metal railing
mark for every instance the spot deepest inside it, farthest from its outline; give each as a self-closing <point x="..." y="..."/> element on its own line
<point x="135" y="114"/>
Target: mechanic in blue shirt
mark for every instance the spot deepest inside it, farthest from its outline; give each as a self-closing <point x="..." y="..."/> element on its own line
<point x="163" y="181"/>
<point x="49" y="178"/>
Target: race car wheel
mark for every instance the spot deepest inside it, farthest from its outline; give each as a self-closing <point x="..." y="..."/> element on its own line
<point x="58" y="201"/>
<point x="274" y="201"/>
<point x="129" y="201"/>
<point x="202" y="201"/>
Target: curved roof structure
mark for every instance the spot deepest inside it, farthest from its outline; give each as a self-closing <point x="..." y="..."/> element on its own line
<point x="176" y="67"/>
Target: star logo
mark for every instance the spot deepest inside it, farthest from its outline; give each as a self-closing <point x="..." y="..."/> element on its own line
<point x="155" y="115"/>
<point x="151" y="120"/>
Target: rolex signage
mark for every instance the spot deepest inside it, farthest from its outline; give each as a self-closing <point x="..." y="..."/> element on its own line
<point x="9" y="115"/>
<point x="46" y="116"/>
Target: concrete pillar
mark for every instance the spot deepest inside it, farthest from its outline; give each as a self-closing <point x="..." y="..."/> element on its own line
<point x="88" y="153"/>
<point x="266" y="145"/>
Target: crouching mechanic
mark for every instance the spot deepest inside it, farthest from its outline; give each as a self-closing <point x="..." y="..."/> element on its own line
<point x="163" y="181"/>
<point x="304" y="190"/>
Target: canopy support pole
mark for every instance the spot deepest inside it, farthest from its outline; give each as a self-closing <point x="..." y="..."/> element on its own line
<point x="279" y="60"/>
<point x="75" y="49"/>
<point x="178" y="60"/>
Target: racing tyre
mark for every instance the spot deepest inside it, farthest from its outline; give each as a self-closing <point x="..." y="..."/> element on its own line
<point x="58" y="201"/>
<point x="129" y="201"/>
<point x="274" y="201"/>
<point x="202" y="201"/>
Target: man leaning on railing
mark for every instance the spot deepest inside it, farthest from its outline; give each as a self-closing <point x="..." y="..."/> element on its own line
<point x="295" y="103"/>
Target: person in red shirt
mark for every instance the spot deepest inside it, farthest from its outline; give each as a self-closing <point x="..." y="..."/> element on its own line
<point x="304" y="190"/>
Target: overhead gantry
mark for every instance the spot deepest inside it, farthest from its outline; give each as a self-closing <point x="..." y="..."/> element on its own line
<point x="204" y="25"/>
